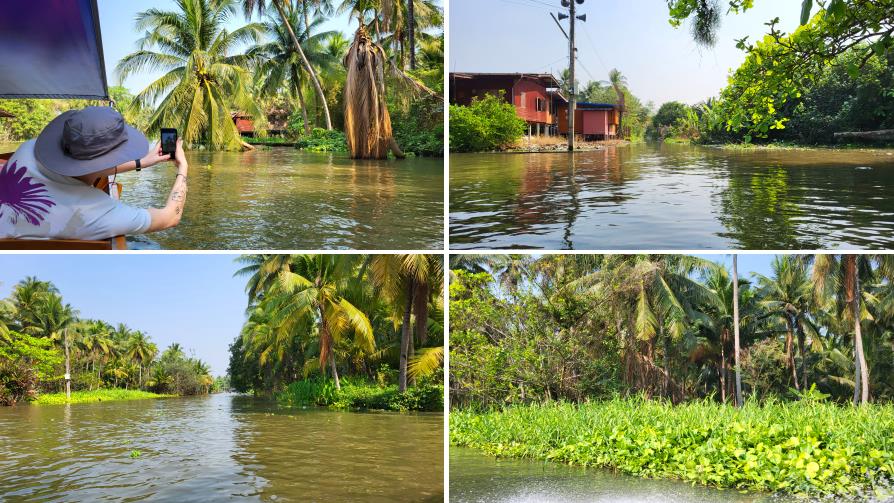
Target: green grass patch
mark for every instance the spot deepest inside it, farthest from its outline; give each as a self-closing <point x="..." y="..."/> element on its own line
<point x="100" y="395"/>
<point x="803" y="447"/>
<point x="362" y="395"/>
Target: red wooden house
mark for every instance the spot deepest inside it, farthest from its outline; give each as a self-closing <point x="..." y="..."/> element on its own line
<point x="534" y="95"/>
<point x="593" y="121"/>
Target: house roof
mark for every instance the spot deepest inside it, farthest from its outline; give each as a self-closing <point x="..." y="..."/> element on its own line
<point x="595" y="106"/>
<point x="547" y="79"/>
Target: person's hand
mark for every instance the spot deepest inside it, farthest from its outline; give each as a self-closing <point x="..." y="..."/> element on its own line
<point x="154" y="156"/>
<point x="179" y="155"/>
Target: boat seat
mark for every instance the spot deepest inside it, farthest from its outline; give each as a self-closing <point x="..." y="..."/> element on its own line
<point x="115" y="243"/>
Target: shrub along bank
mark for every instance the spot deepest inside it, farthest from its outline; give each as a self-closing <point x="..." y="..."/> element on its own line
<point x="356" y="394"/>
<point x="803" y="447"/>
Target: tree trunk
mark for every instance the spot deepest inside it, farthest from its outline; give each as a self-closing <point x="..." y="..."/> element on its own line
<point x="411" y="20"/>
<point x="307" y="66"/>
<point x="405" y="341"/>
<point x="722" y="370"/>
<point x="739" y="398"/>
<point x="802" y="341"/>
<point x="67" y="367"/>
<point x="858" y="339"/>
<point x="790" y="352"/>
<point x="334" y="369"/>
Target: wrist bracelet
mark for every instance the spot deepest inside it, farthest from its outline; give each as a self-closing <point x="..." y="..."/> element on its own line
<point x="184" y="177"/>
<point x="139" y="164"/>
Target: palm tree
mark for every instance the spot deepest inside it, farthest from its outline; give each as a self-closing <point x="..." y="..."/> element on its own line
<point x="839" y="276"/>
<point x="312" y="292"/>
<point x="281" y="66"/>
<point x="94" y="340"/>
<point x="408" y="281"/>
<point x="55" y="320"/>
<point x="27" y="297"/>
<point x="789" y="295"/>
<point x="141" y="350"/>
<point x="203" y="82"/>
<point x="250" y="6"/>
<point x="619" y="82"/>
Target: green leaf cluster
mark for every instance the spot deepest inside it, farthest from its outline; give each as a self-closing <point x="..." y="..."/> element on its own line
<point x="489" y="123"/>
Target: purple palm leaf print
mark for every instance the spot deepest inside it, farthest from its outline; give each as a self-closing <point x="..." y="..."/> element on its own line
<point x="22" y="196"/>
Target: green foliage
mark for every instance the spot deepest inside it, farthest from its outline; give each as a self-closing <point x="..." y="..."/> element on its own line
<point x="489" y="123"/>
<point x="31" y="116"/>
<point x="38" y="352"/>
<point x="805" y="447"/>
<point x="358" y="394"/>
<point x="295" y="124"/>
<point x="321" y="140"/>
<point x="18" y="382"/>
<point x="670" y="113"/>
<point x="421" y="128"/>
<point x="98" y="395"/>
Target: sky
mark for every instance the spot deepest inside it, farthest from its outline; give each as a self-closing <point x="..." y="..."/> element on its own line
<point x="190" y="299"/>
<point x="119" y="35"/>
<point x="661" y="63"/>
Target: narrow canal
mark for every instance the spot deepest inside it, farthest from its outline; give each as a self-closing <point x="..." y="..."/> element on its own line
<point x="657" y="196"/>
<point x="215" y="448"/>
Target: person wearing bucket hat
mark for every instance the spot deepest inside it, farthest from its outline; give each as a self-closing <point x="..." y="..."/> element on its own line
<point x="47" y="187"/>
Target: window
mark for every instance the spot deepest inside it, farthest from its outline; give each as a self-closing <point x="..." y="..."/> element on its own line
<point x="541" y="105"/>
<point x="524" y="101"/>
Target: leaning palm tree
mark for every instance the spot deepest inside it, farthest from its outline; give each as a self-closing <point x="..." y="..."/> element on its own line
<point x="283" y="8"/>
<point x="281" y="67"/>
<point x="313" y="291"/>
<point x="203" y="81"/>
<point x="619" y="83"/>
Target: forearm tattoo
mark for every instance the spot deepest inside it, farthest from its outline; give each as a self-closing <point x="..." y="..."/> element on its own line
<point x="178" y="195"/>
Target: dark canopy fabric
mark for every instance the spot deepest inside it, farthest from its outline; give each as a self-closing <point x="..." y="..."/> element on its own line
<point x="51" y="49"/>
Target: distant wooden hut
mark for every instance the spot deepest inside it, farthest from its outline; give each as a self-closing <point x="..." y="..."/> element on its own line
<point x="277" y="120"/>
<point x="593" y="121"/>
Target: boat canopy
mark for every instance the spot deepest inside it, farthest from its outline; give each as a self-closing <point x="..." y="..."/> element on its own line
<point x="51" y="49"/>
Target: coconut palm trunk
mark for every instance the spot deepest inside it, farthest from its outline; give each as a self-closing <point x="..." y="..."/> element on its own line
<point x="411" y="20"/>
<point x="307" y="66"/>
<point x="303" y="105"/>
<point x="367" y="121"/>
<point x="736" y="344"/>
<point x="327" y="355"/>
<point x="67" y="367"/>
<point x="863" y="376"/>
<point x="405" y="336"/>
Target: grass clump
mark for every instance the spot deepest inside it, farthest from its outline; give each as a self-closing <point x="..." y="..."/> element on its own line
<point x="358" y="394"/>
<point x="803" y="447"/>
<point x="100" y="395"/>
<point x="322" y="140"/>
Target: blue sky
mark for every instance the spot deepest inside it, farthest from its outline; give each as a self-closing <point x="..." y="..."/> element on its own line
<point x="120" y="36"/>
<point x="190" y="299"/>
<point x="661" y="63"/>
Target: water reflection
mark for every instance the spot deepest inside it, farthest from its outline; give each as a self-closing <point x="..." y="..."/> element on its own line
<point x="286" y="199"/>
<point x="221" y="447"/>
<point x="673" y="196"/>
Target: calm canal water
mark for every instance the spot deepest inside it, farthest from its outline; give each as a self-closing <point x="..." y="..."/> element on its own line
<point x="482" y="479"/>
<point x="283" y="198"/>
<point x="673" y="197"/>
<point x="219" y="447"/>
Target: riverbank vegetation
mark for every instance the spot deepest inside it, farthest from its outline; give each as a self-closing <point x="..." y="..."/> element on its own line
<point x="813" y="336"/>
<point x="833" y="74"/>
<point x="280" y="73"/>
<point x="346" y="331"/>
<point x="99" y="395"/>
<point x="47" y="348"/>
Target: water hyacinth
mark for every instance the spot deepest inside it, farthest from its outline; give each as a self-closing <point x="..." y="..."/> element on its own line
<point x="803" y="447"/>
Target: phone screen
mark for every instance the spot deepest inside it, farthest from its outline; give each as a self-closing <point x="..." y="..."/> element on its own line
<point x="168" y="141"/>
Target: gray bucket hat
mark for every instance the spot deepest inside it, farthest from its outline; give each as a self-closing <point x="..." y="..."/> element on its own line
<point x="79" y="142"/>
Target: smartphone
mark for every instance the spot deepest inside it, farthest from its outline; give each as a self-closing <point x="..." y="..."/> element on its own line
<point x="168" y="141"/>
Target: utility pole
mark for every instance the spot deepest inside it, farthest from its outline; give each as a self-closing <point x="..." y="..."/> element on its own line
<point x="572" y="100"/>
